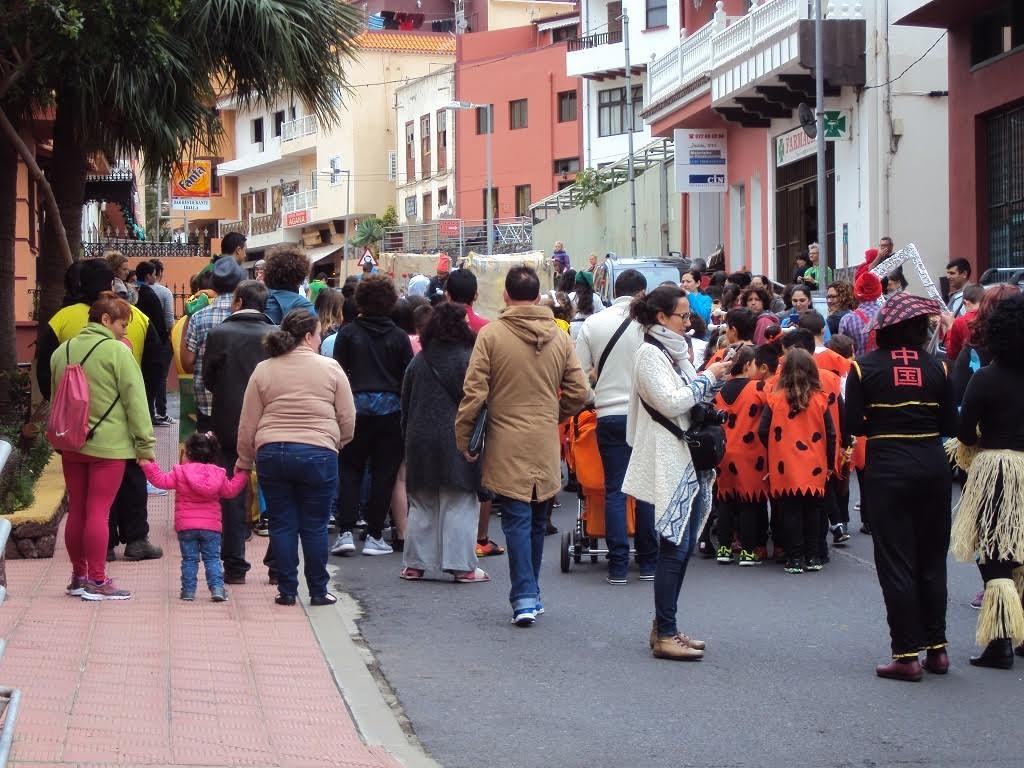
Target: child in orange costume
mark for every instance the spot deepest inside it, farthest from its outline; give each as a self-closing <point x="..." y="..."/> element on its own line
<point x="741" y="491"/>
<point x="800" y="436"/>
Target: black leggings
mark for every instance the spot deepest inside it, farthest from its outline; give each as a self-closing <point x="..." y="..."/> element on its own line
<point x="802" y="517"/>
<point x="750" y="516"/>
<point x="377" y="439"/>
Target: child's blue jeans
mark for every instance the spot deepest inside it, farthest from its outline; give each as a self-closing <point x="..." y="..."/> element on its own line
<point x="205" y="544"/>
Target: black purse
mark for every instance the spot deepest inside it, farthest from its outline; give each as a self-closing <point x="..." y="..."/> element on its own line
<point x="705" y="441"/>
<point x="476" y="438"/>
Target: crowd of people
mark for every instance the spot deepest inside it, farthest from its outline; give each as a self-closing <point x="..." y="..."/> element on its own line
<point x="734" y="416"/>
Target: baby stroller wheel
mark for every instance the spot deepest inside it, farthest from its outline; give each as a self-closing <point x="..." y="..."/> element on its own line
<point x="565" y="563"/>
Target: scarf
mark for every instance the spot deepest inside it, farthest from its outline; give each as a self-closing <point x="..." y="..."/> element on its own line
<point x="673" y="343"/>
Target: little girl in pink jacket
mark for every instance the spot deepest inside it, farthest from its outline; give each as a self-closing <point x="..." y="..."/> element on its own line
<point x="199" y="485"/>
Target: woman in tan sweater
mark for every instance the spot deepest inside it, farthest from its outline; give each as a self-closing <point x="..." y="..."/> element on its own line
<point x="297" y="414"/>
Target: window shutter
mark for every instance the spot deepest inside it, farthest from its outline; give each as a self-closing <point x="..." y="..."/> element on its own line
<point x="392" y="165"/>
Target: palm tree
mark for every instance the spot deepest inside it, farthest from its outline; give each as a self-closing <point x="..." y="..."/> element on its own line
<point x="127" y="77"/>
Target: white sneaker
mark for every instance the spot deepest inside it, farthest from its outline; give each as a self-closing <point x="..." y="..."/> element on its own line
<point x="152" y="490"/>
<point x="376" y="547"/>
<point x="343" y="545"/>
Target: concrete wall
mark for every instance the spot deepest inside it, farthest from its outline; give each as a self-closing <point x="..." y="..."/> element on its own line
<point x="604" y="228"/>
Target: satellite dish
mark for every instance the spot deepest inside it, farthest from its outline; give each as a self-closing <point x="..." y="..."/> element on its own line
<point x="807" y="120"/>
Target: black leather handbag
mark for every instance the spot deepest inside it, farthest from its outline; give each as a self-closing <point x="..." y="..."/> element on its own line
<point x="476" y="438"/>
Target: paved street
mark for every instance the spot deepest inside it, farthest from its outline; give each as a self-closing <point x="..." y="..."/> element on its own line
<point x="788" y="678"/>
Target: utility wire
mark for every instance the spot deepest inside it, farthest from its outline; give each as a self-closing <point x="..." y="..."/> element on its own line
<point x="914" y="64"/>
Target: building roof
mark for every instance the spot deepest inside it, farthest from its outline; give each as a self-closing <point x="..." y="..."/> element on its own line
<point x="945" y="14"/>
<point x="406" y="42"/>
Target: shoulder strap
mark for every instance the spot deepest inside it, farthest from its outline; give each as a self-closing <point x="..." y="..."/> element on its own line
<point x="611" y="343"/>
<point x="433" y="370"/>
<point x="658" y="418"/>
<point x="89" y="353"/>
<point x="92" y="430"/>
<point x="861" y="314"/>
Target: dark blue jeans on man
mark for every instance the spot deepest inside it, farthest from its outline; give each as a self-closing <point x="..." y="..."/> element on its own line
<point x="196" y="544"/>
<point x="615" y="453"/>
<point x="298" y="482"/>
<point x="524" y="525"/>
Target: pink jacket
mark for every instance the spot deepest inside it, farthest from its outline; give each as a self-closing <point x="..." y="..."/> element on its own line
<point x="200" y="487"/>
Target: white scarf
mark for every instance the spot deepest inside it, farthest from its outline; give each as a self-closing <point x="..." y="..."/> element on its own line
<point x="674" y="344"/>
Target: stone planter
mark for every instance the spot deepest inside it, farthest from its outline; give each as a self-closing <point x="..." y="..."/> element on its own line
<point x="34" y="530"/>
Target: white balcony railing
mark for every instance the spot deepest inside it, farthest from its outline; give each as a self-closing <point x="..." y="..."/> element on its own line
<point x="726" y="38"/>
<point x="294" y="129"/>
<point x="299" y="201"/>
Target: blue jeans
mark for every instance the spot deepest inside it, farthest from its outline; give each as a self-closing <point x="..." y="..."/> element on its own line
<point x="615" y="453"/>
<point x="668" y="577"/>
<point x="298" y="482"/>
<point x="194" y="544"/>
<point x="524" y="525"/>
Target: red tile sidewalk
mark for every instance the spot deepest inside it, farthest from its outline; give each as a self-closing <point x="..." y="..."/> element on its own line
<point x="155" y="681"/>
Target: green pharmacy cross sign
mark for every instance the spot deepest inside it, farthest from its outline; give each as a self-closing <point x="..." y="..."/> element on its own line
<point x="836" y="124"/>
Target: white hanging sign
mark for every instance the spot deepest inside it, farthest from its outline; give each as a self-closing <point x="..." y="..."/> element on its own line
<point x="701" y="160"/>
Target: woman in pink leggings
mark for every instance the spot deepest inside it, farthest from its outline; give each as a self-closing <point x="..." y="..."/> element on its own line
<point x="120" y="430"/>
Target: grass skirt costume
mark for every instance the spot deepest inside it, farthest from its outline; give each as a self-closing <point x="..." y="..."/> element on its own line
<point x="990" y="525"/>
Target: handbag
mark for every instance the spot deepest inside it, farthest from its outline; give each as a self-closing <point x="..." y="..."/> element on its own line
<point x="476" y="437"/>
<point x="706" y="443"/>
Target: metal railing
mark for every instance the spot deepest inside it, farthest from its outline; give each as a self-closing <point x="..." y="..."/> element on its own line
<point x="300" y="201"/>
<point x="459" y="236"/>
<point x="593" y="41"/>
<point x="145" y="249"/>
<point x="294" y="129"/>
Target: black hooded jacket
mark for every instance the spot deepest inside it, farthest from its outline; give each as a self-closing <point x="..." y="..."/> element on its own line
<point x="374" y="353"/>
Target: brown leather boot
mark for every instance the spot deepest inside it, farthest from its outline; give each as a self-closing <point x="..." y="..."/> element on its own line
<point x="908" y="670"/>
<point x="697" y="645"/>
<point x="676" y="649"/>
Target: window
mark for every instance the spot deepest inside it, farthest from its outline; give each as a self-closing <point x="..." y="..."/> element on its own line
<point x="517" y="116"/>
<point x="485" y="119"/>
<point x="291" y="113"/>
<point x="410" y="207"/>
<point x="562" y="34"/>
<point x="442" y="143"/>
<point x="425" y="149"/>
<point x="442" y="198"/>
<point x="257" y="130"/>
<point x="428" y="208"/>
<point x="997" y="32"/>
<point x="612" y="115"/>
<point x="336" y="170"/>
<point x="410" y="152"/>
<point x="614" y="22"/>
<point x="657" y="13"/>
<point x="215" y="188"/>
<point x="566" y="106"/>
<point x="523" y="200"/>
<point x="567" y="165"/>
<point x="278" y="122"/>
<point x="1004" y="144"/>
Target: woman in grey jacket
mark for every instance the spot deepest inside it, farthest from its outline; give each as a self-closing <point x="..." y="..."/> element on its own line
<point x="441" y="484"/>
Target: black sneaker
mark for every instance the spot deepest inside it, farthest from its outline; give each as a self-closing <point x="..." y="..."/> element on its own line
<point x="813" y="564"/>
<point x="795" y="565"/>
<point x="865" y="528"/>
<point x="839" y="535"/>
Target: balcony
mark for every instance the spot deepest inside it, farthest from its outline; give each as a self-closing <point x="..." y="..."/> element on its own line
<point x="262" y="230"/>
<point x="596" y="54"/>
<point x="758" y="66"/>
<point x="265" y="156"/>
<point x="298" y="137"/>
<point x="300" y="201"/>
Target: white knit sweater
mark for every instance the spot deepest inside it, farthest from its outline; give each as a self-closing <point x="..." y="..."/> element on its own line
<point x="660" y="462"/>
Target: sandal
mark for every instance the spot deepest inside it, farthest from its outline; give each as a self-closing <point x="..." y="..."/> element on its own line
<point x="472" y="577"/>
<point x="411" y="574"/>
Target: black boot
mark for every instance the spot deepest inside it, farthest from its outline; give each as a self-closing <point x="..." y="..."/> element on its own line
<point x="1019" y="650"/>
<point x="997" y="655"/>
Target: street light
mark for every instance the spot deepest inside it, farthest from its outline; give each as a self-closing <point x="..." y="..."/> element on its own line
<point x="489" y="212"/>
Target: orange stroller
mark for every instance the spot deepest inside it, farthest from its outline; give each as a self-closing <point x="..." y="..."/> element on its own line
<point x="584" y="462"/>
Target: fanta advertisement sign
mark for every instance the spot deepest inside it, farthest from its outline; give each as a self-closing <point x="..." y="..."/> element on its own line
<point x="191" y="179"/>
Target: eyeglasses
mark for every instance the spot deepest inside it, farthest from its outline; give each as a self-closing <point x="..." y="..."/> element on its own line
<point x="684" y="316"/>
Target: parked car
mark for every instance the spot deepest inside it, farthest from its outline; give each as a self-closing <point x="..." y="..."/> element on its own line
<point x="657" y="271"/>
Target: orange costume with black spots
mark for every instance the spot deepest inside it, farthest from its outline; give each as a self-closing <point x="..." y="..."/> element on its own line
<point x="742" y="469"/>
<point x="800" y="446"/>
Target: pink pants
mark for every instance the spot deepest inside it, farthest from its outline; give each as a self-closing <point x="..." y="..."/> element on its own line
<point x="92" y="485"/>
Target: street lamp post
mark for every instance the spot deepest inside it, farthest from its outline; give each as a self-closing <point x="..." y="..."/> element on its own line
<point x="489" y="212"/>
<point x="822" y="201"/>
